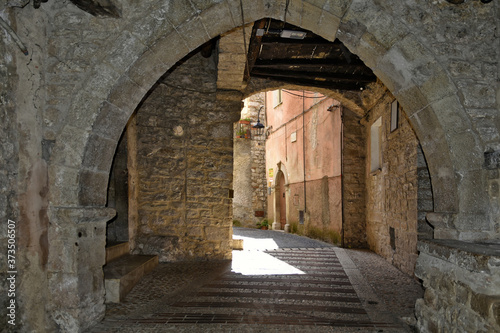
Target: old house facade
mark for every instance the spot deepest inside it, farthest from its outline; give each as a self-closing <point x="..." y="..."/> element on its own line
<point x="303" y="158"/>
<point x="77" y="78"/>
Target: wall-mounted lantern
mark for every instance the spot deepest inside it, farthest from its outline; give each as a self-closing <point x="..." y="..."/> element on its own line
<point x="258" y="127"/>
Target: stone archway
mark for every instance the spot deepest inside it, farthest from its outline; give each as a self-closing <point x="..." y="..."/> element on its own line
<point x="280" y="207"/>
<point x="126" y="88"/>
<point x="102" y="105"/>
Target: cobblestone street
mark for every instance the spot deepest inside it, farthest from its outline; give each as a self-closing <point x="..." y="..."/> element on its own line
<point x="278" y="283"/>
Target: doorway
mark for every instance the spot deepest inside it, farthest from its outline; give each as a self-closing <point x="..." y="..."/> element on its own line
<point x="282" y="200"/>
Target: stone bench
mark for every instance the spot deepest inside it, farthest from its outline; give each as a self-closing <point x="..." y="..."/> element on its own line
<point x="123" y="273"/>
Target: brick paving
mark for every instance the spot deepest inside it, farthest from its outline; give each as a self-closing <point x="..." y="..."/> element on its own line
<point x="331" y="290"/>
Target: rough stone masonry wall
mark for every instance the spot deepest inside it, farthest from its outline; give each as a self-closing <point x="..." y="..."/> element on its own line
<point x="8" y="160"/>
<point x="184" y="166"/>
<point x="354" y="184"/>
<point x="461" y="283"/>
<point x="250" y="188"/>
<point x="425" y="202"/>
<point x="242" y="201"/>
<point x="392" y="191"/>
<point x="259" y="179"/>
<point x="117" y="228"/>
<point x="256" y="206"/>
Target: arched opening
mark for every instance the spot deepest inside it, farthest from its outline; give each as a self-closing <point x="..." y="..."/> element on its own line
<point x="98" y="123"/>
<point x="281" y="199"/>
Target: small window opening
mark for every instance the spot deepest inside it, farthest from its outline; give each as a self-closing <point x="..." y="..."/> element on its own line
<point x="277" y="100"/>
<point x="394" y="116"/>
<point x="392" y="235"/>
<point x="375" y="143"/>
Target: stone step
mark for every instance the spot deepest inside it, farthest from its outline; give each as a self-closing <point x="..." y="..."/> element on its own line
<point x="122" y="274"/>
<point x="116" y="250"/>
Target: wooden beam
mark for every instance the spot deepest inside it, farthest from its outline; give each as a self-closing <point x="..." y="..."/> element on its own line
<point x="340" y="61"/>
<point x="253" y="48"/>
<point x="99" y="7"/>
<point x="316" y="68"/>
<point x="317" y="84"/>
<point x="271" y="40"/>
<point x="335" y="77"/>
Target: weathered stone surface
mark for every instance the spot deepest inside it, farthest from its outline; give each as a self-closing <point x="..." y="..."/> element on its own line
<point x="249" y="170"/>
<point x="354" y="182"/>
<point x="392" y="196"/>
<point x="56" y="94"/>
<point x="461" y="285"/>
<point x="184" y="167"/>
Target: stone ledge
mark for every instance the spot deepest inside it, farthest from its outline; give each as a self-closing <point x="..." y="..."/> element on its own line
<point x="474" y="256"/>
<point x="83" y="214"/>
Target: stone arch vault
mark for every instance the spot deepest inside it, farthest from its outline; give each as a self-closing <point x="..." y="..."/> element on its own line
<point x="451" y="103"/>
<point x="397" y="56"/>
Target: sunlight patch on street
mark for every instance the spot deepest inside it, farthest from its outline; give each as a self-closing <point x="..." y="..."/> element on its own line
<point x="253" y="261"/>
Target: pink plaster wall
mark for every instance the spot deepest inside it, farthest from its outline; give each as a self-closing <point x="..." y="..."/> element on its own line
<point x="322" y="157"/>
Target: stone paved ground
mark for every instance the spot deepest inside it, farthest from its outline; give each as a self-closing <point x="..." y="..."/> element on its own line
<point x="341" y="291"/>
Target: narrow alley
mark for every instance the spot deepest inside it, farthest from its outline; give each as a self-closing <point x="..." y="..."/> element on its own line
<point x="278" y="283"/>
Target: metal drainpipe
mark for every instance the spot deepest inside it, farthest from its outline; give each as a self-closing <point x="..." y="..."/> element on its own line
<point x="342" y="174"/>
<point x="304" y="151"/>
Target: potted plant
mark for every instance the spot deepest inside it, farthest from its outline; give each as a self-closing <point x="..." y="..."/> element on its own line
<point x="241" y="134"/>
<point x="264" y="224"/>
<point x="245" y="121"/>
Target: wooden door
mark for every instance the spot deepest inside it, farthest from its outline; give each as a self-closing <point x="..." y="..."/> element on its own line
<point x="282" y="201"/>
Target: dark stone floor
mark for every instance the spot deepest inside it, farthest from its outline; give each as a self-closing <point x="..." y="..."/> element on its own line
<point x="278" y="283"/>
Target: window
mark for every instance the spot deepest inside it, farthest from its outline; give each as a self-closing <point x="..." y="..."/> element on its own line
<point x="277" y="98"/>
<point x="394" y="116"/>
<point x="375" y="141"/>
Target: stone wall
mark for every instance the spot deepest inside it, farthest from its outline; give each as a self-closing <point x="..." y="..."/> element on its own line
<point x="354" y="183"/>
<point x="425" y="203"/>
<point x="250" y="188"/>
<point x="9" y="160"/>
<point x="86" y="74"/>
<point x="461" y="283"/>
<point x="391" y="220"/>
<point x="118" y="198"/>
<point x="184" y="166"/>
<point x="242" y="201"/>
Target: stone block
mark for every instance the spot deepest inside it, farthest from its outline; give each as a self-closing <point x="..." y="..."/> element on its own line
<point x="68" y="150"/>
<point x="66" y="250"/>
<point x="328" y="25"/>
<point x="177" y="12"/>
<point x="64" y="287"/>
<point x="467" y="142"/>
<point x="128" y="48"/>
<point x="477" y="95"/>
<point x="194" y="33"/>
<point x="387" y="31"/>
<point x="312" y="14"/>
<point x="485" y="305"/>
<point x="93" y="188"/>
<point x="153" y="26"/>
<point x="217" y="20"/>
<point x="451" y="115"/>
<point x="124" y="97"/>
<point x="99" y="153"/>
<point x="393" y="70"/>
<point x="412" y="100"/>
<point x="152" y="64"/>
<point x="65" y="189"/>
<point x="438" y="85"/>
<point x="472" y="197"/>
<point x="488" y="130"/>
